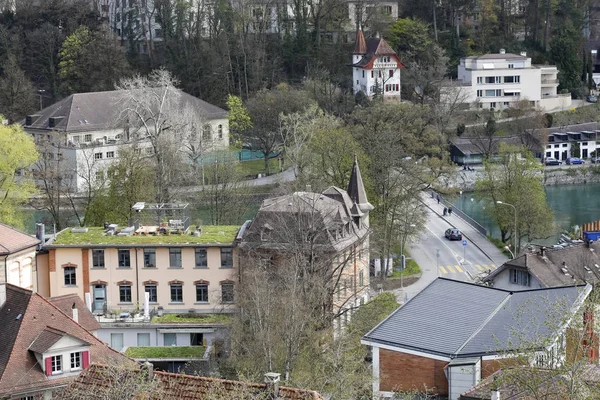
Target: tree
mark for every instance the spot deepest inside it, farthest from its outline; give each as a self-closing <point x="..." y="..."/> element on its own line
<point x="153" y="110"/>
<point x="576" y="150"/>
<point x="129" y="180"/>
<point x="565" y="50"/>
<point x="266" y="109"/>
<point x="516" y="179"/>
<point x="16" y="91"/>
<point x="239" y="119"/>
<point x="529" y="124"/>
<point x="18" y="154"/>
<point x="297" y="129"/>
<point x="91" y="61"/>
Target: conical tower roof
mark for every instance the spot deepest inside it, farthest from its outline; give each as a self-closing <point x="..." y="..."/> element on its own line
<point x="356" y="189"/>
<point x="360" y="45"/>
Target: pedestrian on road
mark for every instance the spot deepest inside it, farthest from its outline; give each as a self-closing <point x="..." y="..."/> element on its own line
<point x="438" y="198"/>
<point x="450" y="211"/>
<point x="445" y="211"/>
<point x="432" y="194"/>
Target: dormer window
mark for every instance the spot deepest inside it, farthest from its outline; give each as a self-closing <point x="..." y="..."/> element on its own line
<point x="75" y="360"/>
<point x="56" y="365"/>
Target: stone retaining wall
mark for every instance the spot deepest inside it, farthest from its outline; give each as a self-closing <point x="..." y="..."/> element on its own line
<point x="566" y="175"/>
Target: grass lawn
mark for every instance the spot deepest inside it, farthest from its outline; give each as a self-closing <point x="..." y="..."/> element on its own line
<point x="255" y="167"/>
<point x="166" y="352"/>
<point x="200" y="319"/>
<point x="412" y="268"/>
<point x="95" y="235"/>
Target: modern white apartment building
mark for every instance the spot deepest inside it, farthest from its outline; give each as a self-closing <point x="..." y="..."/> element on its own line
<point x="498" y="81"/>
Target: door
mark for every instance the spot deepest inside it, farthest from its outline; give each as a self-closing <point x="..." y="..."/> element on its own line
<point x="99" y="298"/>
<point x="556" y="155"/>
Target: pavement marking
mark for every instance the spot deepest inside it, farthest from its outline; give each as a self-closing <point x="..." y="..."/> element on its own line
<point x="459" y="269"/>
<point x="494" y="266"/>
<point x="443" y="270"/>
<point x="479" y="267"/>
<point x="486" y="267"/>
<point x="451" y="269"/>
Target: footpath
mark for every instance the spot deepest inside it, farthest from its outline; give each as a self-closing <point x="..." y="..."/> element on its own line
<point x="480" y="241"/>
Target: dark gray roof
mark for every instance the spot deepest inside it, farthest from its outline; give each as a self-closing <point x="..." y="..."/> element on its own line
<point x="548" y="268"/>
<point x="458" y="319"/>
<point x="45" y="340"/>
<point x="477" y="145"/>
<point x="84" y="112"/>
<point x="356" y="188"/>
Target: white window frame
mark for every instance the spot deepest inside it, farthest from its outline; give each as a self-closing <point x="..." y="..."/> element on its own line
<point x="76" y="361"/>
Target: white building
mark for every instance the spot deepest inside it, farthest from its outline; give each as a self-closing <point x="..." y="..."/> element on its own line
<point x="498" y="81"/>
<point x="561" y="141"/>
<point x="375" y="67"/>
<point x="82" y="134"/>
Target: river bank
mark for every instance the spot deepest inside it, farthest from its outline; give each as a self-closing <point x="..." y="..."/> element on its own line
<point x="562" y="175"/>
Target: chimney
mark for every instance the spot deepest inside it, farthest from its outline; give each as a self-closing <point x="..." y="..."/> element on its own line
<point x="502" y="51"/>
<point x="40" y="234"/>
<point x="542" y="251"/>
<point x="272" y="381"/>
<point x="75" y="313"/>
<point x="495" y="395"/>
<point x="149" y="369"/>
<point x="2" y="294"/>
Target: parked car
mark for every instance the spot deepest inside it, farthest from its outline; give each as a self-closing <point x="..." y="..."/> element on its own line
<point x="574" y="161"/>
<point x="596" y="160"/>
<point x="453" y="234"/>
<point x="552" y="161"/>
<point x="591" y="98"/>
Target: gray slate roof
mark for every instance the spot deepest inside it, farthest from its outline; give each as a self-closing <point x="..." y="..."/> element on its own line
<point x="85" y="112"/>
<point x="459" y="319"/>
<point x="498" y="56"/>
<point x="547" y="269"/>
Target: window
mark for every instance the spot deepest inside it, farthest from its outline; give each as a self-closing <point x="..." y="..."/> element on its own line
<point x="196" y="339"/>
<point x="56" y="364"/>
<point x="143" y="339"/>
<point x="202" y="293"/>
<point x="158" y="33"/>
<point x="125" y="293"/>
<point x="220" y="131"/>
<point x="517" y="79"/>
<point x="584" y="143"/>
<point x="97" y="156"/>
<point x="174" y="258"/>
<point x="170" y="339"/>
<point x="98" y="258"/>
<point x="75" y="139"/>
<point x="490" y="93"/>
<point x="149" y="258"/>
<point x="520" y="277"/>
<point x="498" y="92"/>
<point x="479" y="80"/>
<point x="227" y="292"/>
<point x="116" y="341"/>
<point x="176" y="293"/>
<point x="201" y="258"/>
<point x="511" y="66"/>
<point x="87" y="138"/>
<point x="480" y="93"/>
<point x="206" y="132"/>
<point x="110" y="154"/>
<point x="226" y="257"/>
<point x="75" y="360"/>
<point x="124" y="258"/>
<point x="99" y="175"/>
<point x="506" y="104"/>
<point x="361" y="279"/>
<point x="490" y="79"/>
<point x="565" y="145"/>
<point x="493" y="104"/>
<point x="70" y="276"/>
<point x="391" y="73"/>
<point x="363" y="73"/>
<point x="548" y="154"/>
<point x="151" y="289"/>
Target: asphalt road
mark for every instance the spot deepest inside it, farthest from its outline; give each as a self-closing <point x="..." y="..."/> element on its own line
<point x="455" y="261"/>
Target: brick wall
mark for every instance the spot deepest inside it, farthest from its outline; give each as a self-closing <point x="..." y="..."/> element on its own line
<point x="401" y="371"/>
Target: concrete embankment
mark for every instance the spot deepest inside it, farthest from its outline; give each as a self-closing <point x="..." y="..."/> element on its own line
<point x="563" y="175"/>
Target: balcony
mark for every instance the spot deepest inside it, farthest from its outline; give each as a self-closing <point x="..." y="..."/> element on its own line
<point x="549" y="82"/>
<point x="385" y="65"/>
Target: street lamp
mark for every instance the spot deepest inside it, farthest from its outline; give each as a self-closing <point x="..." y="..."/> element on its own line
<point x="511" y="253"/>
<point x="515" y="232"/>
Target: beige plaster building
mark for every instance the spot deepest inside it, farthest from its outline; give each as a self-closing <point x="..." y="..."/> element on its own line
<point x="112" y="271"/>
<point x="17" y="258"/>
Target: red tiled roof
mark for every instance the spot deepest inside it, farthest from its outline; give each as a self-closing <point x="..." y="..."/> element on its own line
<point x="377" y="47"/>
<point x="187" y="387"/>
<point x="65" y="304"/>
<point x="12" y="240"/>
<point x="19" y="369"/>
<point x="46" y="339"/>
<point x="360" y="46"/>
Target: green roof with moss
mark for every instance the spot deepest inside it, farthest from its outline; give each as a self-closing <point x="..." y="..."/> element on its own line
<point x="211" y="234"/>
<point x="165" y="352"/>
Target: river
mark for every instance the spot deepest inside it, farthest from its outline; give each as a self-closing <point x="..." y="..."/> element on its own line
<point x="572" y="205"/>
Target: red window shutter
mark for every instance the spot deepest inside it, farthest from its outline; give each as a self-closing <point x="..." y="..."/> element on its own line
<point x="48" y="366"/>
<point x="86" y="358"/>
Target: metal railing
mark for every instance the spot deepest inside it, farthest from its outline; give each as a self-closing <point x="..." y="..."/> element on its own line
<point x="455" y="210"/>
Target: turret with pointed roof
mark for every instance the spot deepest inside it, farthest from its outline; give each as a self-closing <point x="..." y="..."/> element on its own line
<point x="356" y="189"/>
<point x="360" y="45"/>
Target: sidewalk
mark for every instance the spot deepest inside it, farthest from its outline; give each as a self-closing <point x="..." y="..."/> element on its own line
<point x="470" y="233"/>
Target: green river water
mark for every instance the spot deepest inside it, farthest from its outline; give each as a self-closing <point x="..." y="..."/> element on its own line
<point x="572" y="205"/>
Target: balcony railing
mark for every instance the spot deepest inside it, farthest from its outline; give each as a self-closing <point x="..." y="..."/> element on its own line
<point x="384" y="65"/>
<point x="549" y="81"/>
